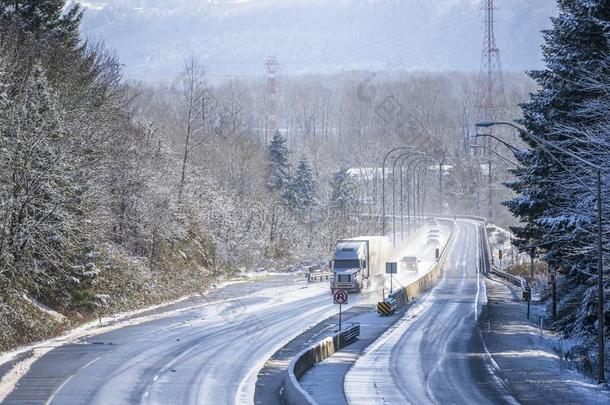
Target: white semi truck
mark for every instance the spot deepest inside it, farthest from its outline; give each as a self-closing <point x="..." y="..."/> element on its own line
<point x="357" y="261"/>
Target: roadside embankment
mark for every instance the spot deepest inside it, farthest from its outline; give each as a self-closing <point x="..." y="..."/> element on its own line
<point x="528" y="356"/>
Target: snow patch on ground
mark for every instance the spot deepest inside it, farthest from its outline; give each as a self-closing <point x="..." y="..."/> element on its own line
<point x="527" y="346"/>
<point x="43" y="308"/>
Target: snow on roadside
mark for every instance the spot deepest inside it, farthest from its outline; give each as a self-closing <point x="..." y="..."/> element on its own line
<point x="530" y="343"/>
<point x="43" y="308"/>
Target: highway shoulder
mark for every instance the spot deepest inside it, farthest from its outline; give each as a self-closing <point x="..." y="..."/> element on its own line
<point x="528" y="360"/>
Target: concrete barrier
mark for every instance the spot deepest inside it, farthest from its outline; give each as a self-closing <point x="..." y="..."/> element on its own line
<point x="292" y="392"/>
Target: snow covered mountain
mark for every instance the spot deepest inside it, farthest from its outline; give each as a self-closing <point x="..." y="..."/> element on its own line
<point x="233" y="37"/>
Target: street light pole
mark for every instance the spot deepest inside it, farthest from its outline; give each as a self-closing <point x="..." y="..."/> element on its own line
<point x="490" y="196"/>
<point x="385" y="158"/>
<point x="419" y="210"/>
<point x="600" y="263"/>
<point x="496" y="153"/>
<point x="410" y="170"/>
<point x="407" y="154"/>
<point x="401" y="192"/>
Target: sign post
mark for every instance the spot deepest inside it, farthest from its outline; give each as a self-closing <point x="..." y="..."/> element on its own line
<point x="340" y="297"/>
<point x="527" y="295"/>
<point x="391" y="268"/>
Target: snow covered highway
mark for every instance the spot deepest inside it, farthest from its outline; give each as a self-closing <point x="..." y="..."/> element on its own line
<point x="213" y="349"/>
<point x="434" y="354"/>
<point x="208" y="354"/>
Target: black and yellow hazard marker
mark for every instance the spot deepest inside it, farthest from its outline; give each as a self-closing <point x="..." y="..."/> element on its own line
<point x="384" y="308"/>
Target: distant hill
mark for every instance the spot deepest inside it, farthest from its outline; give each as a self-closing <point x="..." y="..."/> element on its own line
<point x="233" y="37"/>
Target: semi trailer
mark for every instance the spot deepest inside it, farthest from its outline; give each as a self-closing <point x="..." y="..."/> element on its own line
<point x="357" y="261"/>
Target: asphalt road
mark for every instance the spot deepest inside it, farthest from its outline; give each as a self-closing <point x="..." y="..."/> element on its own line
<point x="210" y="353"/>
<point x="435" y="354"/>
<point x="206" y="355"/>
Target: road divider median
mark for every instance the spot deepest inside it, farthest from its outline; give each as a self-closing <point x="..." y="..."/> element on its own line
<point x="292" y="391"/>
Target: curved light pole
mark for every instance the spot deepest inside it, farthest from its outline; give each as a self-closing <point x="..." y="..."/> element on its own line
<point x="496" y="153"/>
<point x="421" y="193"/>
<point x="385" y="158"/>
<point x="410" y="171"/>
<point x="600" y="264"/>
<point x="402" y="231"/>
<point x="405" y="155"/>
<point x="417" y="203"/>
<point x="441" y="165"/>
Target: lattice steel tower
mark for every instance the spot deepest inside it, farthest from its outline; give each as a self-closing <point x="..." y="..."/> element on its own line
<point x="491" y="99"/>
<point x="272" y="65"/>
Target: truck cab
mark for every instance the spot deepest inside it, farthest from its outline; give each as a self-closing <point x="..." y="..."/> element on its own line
<point x="357" y="261"/>
<point x="348" y="266"/>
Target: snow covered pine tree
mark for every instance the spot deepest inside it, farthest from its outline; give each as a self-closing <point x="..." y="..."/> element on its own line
<point x="554" y="199"/>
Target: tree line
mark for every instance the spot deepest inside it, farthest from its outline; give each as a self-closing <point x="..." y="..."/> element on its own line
<point x="556" y="194"/>
<point x="118" y="194"/>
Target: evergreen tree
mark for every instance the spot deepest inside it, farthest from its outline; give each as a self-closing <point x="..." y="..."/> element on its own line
<point x="559" y="220"/>
<point x="343" y="190"/>
<point x="44" y="16"/>
<point x="278" y="168"/>
<point x="302" y="192"/>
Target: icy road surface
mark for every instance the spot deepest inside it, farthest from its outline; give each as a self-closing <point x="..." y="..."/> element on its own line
<point x="208" y="354"/>
<point x="435" y="353"/>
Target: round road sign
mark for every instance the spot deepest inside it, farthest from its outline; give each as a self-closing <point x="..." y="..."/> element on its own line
<point x="340" y="297"/>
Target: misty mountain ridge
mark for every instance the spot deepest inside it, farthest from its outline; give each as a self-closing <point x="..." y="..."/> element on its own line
<point x="152" y="38"/>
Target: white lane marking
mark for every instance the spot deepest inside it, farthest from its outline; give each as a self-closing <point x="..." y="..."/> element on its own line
<point x="63" y="384"/>
<point x="67" y="380"/>
<point x="494" y="371"/>
<point x="372" y="373"/>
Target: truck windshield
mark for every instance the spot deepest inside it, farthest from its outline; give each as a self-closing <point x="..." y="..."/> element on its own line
<point x="347" y="264"/>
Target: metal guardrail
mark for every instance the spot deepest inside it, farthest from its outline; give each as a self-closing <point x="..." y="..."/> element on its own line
<point x="350" y="335"/>
<point x="511" y="278"/>
<point x="485" y="258"/>
<point x="319" y="276"/>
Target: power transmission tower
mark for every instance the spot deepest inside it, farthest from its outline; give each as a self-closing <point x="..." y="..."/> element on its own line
<point x="490" y="96"/>
<point x="272" y="65"/>
<point x="490" y="92"/>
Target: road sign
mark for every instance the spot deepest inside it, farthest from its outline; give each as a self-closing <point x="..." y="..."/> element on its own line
<point x="340" y="297"/>
<point x="500" y="254"/>
<point x="391" y="267"/>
